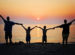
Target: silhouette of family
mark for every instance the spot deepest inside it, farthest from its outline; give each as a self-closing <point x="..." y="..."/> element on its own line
<point x="9" y="24"/>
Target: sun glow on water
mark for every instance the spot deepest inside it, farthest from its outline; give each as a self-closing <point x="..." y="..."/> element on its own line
<point x="53" y="35"/>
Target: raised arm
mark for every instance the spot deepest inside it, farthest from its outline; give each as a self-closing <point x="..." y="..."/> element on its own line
<point x="57" y="27"/>
<point x="2" y="18"/>
<point x="50" y="28"/>
<point x="33" y="27"/>
<point x="40" y="27"/>
<point x="72" y="21"/>
<point x="18" y="23"/>
<point x="23" y="27"/>
<point x="60" y="26"/>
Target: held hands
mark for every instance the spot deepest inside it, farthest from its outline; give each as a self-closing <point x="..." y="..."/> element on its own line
<point x="21" y="24"/>
<point x="35" y="26"/>
<point x="53" y="28"/>
<point x="74" y="19"/>
<point x="0" y="15"/>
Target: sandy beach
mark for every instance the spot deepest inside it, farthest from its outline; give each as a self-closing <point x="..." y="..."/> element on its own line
<point x="37" y="49"/>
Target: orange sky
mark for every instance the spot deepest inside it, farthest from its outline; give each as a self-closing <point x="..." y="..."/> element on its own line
<point x="37" y="8"/>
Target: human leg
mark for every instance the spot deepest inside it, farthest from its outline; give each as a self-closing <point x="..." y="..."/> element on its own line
<point x="10" y="37"/>
<point x="6" y="37"/>
<point x="67" y="35"/>
<point x="63" y="39"/>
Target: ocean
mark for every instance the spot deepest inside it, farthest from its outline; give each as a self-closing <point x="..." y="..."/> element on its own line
<point x="53" y="35"/>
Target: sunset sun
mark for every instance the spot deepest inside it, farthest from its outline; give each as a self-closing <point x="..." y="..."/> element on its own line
<point x="38" y="18"/>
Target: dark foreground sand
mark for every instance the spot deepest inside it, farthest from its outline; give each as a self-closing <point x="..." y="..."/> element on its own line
<point x="37" y="49"/>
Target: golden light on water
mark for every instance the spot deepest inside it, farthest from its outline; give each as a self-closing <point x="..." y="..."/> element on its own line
<point x="53" y="35"/>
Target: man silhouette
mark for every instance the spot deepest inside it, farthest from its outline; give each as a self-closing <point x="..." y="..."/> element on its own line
<point x="65" y="32"/>
<point x="8" y="28"/>
<point x="44" y="38"/>
<point x="28" y="36"/>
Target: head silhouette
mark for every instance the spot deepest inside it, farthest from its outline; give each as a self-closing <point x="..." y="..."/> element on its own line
<point x="65" y="21"/>
<point x="44" y="27"/>
<point x="8" y="18"/>
<point x="28" y="27"/>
